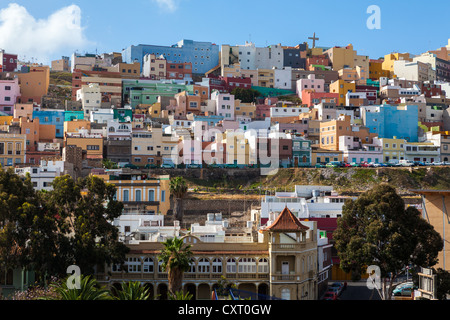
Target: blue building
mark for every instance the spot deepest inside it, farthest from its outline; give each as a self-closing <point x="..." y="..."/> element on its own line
<point x="55" y="117"/>
<point x="203" y="55"/>
<point x="392" y="121"/>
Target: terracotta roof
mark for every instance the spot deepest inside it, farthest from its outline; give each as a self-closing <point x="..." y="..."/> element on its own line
<point x="286" y="221"/>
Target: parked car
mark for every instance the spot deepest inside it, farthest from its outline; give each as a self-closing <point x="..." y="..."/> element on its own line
<point x="438" y="163"/>
<point x="131" y="166"/>
<point x="194" y="165"/>
<point x="167" y="166"/>
<point x="339" y="286"/>
<point x="319" y="165"/>
<point x="419" y="163"/>
<point x="427" y="163"/>
<point x="406" y="163"/>
<point x="393" y="162"/>
<point x="333" y="164"/>
<point x="364" y="164"/>
<point x="151" y="166"/>
<point x="354" y="164"/>
<point x="330" y="295"/>
<point x="375" y="165"/>
<point x="346" y="165"/>
<point x="404" y="289"/>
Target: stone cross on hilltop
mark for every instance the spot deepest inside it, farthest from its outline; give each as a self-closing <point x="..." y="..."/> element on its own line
<point x="313" y="38"/>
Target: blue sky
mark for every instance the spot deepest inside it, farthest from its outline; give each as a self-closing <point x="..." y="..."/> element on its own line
<point x="104" y="26"/>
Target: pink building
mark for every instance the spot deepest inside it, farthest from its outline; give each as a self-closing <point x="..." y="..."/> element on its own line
<point x="318" y="85"/>
<point x="224" y="105"/>
<point x="9" y="92"/>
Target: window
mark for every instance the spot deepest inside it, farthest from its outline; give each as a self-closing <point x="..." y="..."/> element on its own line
<point x="163" y="196"/>
<point x="247" y="265"/>
<point x="134" y="264"/>
<point x="148" y="265"/>
<point x="151" y="195"/>
<point x="217" y="265"/>
<point x="231" y="266"/>
<point x="126" y="195"/>
<point x="138" y="195"/>
<point x="93" y="147"/>
<point x="263" y="266"/>
<point x="203" y="265"/>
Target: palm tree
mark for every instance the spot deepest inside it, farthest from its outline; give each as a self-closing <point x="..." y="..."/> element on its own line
<point x="89" y="290"/>
<point x="178" y="188"/>
<point x="132" y="290"/>
<point x="176" y="260"/>
<point x="179" y="295"/>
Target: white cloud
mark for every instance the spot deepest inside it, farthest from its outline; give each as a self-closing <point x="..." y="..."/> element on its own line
<point x="41" y="39"/>
<point x="169" y="5"/>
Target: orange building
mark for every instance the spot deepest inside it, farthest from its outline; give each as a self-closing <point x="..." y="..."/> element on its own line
<point x="376" y="70"/>
<point x="76" y="124"/>
<point x="330" y="131"/>
<point x="34" y="84"/>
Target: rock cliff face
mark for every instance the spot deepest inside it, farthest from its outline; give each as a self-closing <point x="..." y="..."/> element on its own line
<point x="345" y="180"/>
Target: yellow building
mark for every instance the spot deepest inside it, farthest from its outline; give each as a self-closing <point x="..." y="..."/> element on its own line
<point x="282" y="263"/>
<point x="266" y="78"/>
<point x="393" y="149"/>
<point x="92" y="144"/>
<point x="389" y="59"/>
<point x="76" y="124"/>
<point x="151" y="147"/>
<point x="324" y="156"/>
<point x="376" y="70"/>
<point x="12" y="149"/>
<point x="244" y="109"/>
<point x="342" y="87"/>
<point x="237" y="148"/>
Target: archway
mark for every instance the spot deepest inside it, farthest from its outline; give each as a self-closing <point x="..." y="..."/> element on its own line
<point x="204" y="292"/>
<point x="191" y="288"/>
<point x="263" y="289"/>
<point x="250" y="287"/>
<point x="162" y="291"/>
<point x="151" y="290"/>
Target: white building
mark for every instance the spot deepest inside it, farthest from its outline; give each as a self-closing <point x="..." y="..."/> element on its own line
<point x="43" y="176"/>
<point x="304" y="202"/>
<point x="90" y="98"/>
<point x="283" y="78"/>
<point x="287" y="111"/>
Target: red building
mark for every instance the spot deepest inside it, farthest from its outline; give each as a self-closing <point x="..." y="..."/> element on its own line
<point x="179" y="70"/>
<point x="431" y="89"/>
<point x="110" y="83"/>
<point x="322" y="60"/>
<point x="9" y="61"/>
<point x="237" y="82"/>
<point x="311" y="97"/>
<point x="262" y="111"/>
<point x="371" y="93"/>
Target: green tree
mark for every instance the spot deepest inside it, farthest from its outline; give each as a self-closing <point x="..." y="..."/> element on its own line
<point x="176" y="259"/>
<point x="84" y="211"/>
<point x="89" y="290"/>
<point x="443" y="284"/>
<point x="376" y="229"/>
<point x="245" y="95"/>
<point x="178" y="189"/>
<point x="108" y="164"/>
<point x="132" y="290"/>
<point x="25" y="230"/>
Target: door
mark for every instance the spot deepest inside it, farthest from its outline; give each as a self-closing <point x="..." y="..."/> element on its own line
<point x="295" y="162"/>
<point x="285" y="267"/>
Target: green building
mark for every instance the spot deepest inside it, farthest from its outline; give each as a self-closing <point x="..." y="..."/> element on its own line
<point x="72" y="115"/>
<point x="135" y="92"/>
<point x="301" y="151"/>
